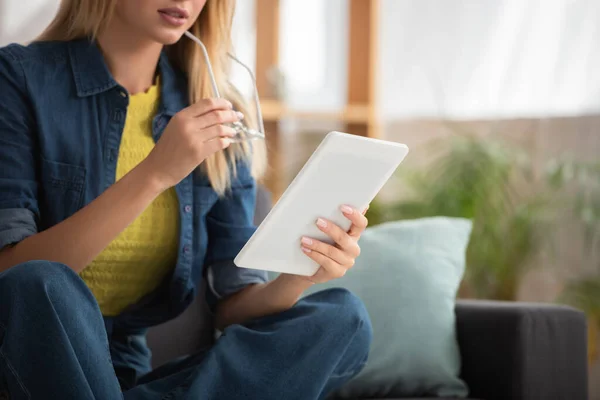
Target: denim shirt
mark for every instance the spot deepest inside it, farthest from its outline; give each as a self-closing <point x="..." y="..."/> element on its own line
<point x="61" y="119"/>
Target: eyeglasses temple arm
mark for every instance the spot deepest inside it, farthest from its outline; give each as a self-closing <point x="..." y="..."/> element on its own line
<point x="256" y="98"/>
<point x="213" y="80"/>
<point x="211" y="74"/>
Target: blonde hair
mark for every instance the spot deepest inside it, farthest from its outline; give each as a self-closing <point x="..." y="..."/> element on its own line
<point x="87" y="18"/>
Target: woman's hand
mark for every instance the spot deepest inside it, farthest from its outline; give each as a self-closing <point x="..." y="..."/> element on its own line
<point x="336" y="260"/>
<point x="282" y="293"/>
<point x="192" y="135"/>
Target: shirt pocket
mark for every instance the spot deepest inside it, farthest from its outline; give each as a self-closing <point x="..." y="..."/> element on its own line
<point x="63" y="187"/>
<point x="204" y="195"/>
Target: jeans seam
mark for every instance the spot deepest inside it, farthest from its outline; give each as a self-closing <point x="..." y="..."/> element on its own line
<point x="349" y="373"/>
<point x="14" y="373"/>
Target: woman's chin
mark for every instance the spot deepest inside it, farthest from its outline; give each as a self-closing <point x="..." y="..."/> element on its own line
<point x="168" y="37"/>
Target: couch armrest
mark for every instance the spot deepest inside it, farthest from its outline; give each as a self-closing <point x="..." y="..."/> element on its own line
<point x="522" y="351"/>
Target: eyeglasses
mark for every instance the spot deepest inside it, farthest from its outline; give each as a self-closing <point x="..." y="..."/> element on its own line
<point x="243" y="132"/>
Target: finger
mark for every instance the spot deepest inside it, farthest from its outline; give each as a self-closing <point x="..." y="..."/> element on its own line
<point x="359" y="221"/>
<point x="217" y="131"/>
<point x="206" y="105"/>
<point x="366" y="209"/>
<point x="215" y="145"/>
<point x="219" y="117"/>
<point x="333" y="269"/>
<point x="355" y="232"/>
<point x="339" y="236"/>
<point x="328" y="250"/>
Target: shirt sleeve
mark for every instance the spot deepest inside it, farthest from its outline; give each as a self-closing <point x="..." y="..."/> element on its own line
<point x="19" y="211"/>
<point x="230" y="224"/>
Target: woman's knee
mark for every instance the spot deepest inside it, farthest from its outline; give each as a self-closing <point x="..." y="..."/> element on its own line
<point x="341" y="310"/>
<point x="34" y="278"/>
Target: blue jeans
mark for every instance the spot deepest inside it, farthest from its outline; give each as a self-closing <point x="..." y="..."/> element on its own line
<point x="53" y="344"/>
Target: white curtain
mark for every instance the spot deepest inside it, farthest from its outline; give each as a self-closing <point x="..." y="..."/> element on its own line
<point x="22" y="20"/>
<point x="489" y="58"/>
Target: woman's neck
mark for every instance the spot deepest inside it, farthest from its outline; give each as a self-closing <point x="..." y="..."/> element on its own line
<point x="132" y="61"/>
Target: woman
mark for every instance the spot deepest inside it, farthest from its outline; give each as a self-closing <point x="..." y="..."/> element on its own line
<point x="117" y="169"/>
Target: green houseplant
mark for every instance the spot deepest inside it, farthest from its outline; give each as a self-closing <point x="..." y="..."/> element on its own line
<point x="579" y="186"/>
<point x="490" y="183"/>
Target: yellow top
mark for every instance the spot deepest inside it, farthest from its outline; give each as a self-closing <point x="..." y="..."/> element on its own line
<point x="137" y="260"/>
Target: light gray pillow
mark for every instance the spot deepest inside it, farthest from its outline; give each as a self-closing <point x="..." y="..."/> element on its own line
<point x="408" y="275"/>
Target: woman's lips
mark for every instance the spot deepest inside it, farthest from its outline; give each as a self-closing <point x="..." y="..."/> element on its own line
<point x="174" y="16"/>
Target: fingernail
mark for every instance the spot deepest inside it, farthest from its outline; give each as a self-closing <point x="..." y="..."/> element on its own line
<point x="307" y="241"/>
<point x="321" y="222"/>
<point x="239" y="115"/>
<point x="347" y="210"/>
<point x="230" y="104"/>
<point x="304" y="249"/>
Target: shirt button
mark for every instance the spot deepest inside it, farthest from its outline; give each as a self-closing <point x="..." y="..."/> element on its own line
<point x="122" y="93"/>
<point x="186" y="249"/>
<point x="113" y="155"/>
<point x="188" y="209"/>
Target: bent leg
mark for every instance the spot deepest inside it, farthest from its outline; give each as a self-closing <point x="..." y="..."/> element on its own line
<point x="52" y="337"/>
<point x="303" y="353"/>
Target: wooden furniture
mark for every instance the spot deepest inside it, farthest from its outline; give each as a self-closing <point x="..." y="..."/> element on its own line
<point x="359" y="115"/>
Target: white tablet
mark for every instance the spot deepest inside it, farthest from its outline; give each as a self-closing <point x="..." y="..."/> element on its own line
<point x="345" y="169"/>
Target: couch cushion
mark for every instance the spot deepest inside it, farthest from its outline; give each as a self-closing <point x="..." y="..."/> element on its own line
<point x="408" y="275"/>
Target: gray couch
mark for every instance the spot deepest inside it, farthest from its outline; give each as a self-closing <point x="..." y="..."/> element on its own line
<point x="510" y="351"/>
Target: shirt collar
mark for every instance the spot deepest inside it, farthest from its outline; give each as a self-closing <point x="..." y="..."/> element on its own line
<point x="92" y="76"/>
<point x="174" y="89"/>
